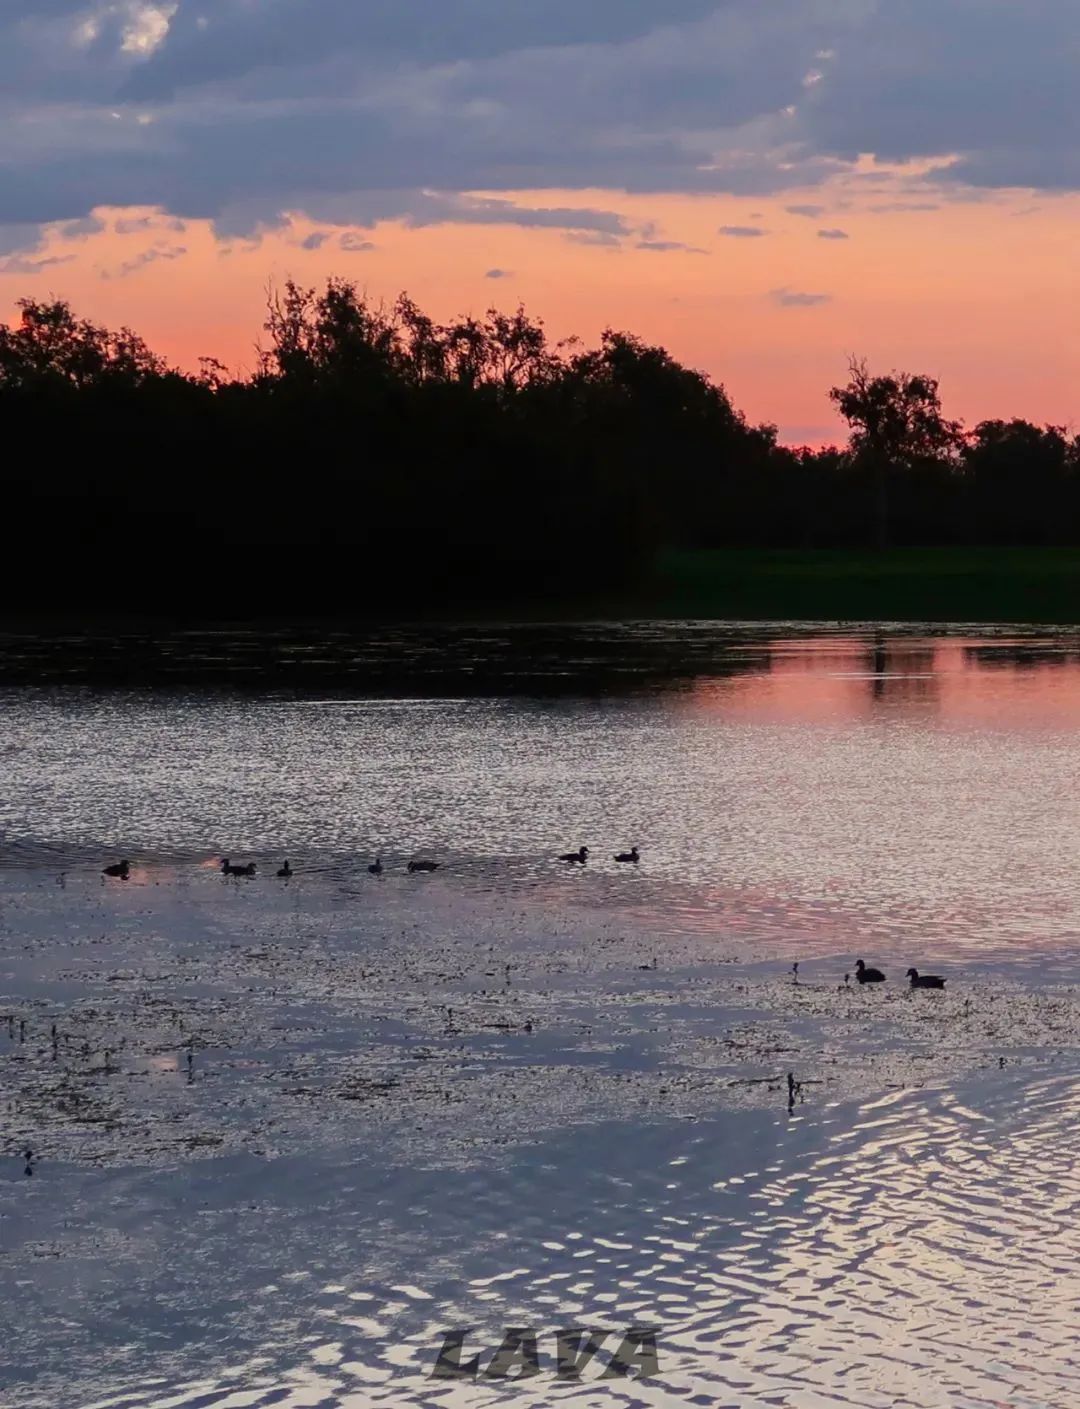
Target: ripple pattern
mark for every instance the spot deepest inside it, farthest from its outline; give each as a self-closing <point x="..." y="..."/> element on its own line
<point x="919" y="1252"/>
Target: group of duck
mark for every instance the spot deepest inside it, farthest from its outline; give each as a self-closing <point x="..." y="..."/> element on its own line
<point x="121" y="870"/>
<point x="865" y="975"/>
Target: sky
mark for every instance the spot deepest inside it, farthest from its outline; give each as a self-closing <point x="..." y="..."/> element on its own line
<point x="767" y="187"/>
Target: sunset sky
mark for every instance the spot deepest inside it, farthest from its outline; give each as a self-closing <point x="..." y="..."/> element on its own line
<point x="765" y="186"/>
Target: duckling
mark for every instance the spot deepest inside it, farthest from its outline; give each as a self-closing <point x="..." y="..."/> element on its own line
<point x="422" y="866"/>
<point x="632" y="856"/>
<point x="120" y="869"/>
<point x="865" y="975"/>
<point x="578" y="857"/>
<point x="286" y="870"/>
<point x="376" y="866"/>
<point x="228" y="869"/>
<point x="925" y="980"/>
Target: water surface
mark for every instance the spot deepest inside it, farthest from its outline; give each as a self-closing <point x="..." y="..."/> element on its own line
<point x="877" y="779"/>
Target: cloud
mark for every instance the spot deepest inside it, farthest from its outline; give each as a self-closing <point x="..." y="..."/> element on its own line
<point x="668" y="247"/>
<point x="833" y="235"/>
<point x="314" y="241"/>
<point x="139" y="224"/>
<point x="742" y="232"/>
<point x="81" y="229"/>
<point x="154" y="255"/>
<point x="21" y="239"/>
<point x="594" y="237"/>
<point x="498" y="274"/>
<point x="419" y="210"/>
<point x="792" y="298"/>
<point x="352" y="243"/>
<point x="217" y="111"/>
<point x="904" y="207"/>
<point x="27" y="264"/>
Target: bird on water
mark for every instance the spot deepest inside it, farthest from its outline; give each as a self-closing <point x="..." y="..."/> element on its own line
<point x="578" y="857"/>
<point x="422" y="866"/>
<point x="865" y="975"/>
<point x="228" y="869"/>
<point x="925" y="980"/>
<point x="633" y="856"/>
<point x="121" y="869"/>
<point x="286" y="870"/>
<point x="376" y="866"/>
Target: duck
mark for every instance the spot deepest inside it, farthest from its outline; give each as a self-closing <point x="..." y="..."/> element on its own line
<point x="631" y="857"/>
<point x="286" y="870"/>
<point x="376" y="866"/>
<point x="228" y="869"/>
<point x="925" y="980"/>
<point x="578" y="857"/>
<point x="865" y="975"/>
<point x="120" y="869"/>
<point x="422" y="866"/>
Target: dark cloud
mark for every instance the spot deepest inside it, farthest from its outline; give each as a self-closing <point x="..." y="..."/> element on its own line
<point x="742" y="232"/>
<point x="232" y="38"/>
<point x="239" y="111"/>
<point x="833" y="235"/>
<point x="20" y="239"/>
<point x="498" y="274"/>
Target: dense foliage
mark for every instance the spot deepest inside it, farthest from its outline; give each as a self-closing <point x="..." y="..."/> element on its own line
<point x="378" y="459"/>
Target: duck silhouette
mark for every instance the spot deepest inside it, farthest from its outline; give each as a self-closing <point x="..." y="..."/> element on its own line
<point x="865" y="975"/>
<point x="578" y="857"/>
<point x="422" y="866"/>
<point x="286" y="870"/>
<point x="228" y="869"/>
<point x="631" y="857"/>
<point x="925" y="980"/>
<point x="120" y="869"/>
<point x="376" y="866"/>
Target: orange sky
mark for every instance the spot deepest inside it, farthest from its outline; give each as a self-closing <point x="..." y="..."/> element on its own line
<point x="981" y="293"/>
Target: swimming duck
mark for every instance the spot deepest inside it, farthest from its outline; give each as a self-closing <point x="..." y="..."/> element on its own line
<point x="121" y="869"/>
<point x="228" y="869"/>
<point x="925" y="980"/>
<point x="286" y="871"/>
<point x="376" y="866"/>
<point x="578" y="857"/>
<point x="423" y="866"/>
<point x="632" y="856"/>
<point x="865" y="975"/>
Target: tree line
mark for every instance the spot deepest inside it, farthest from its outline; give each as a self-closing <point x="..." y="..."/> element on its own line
<point x="376" y="458"/>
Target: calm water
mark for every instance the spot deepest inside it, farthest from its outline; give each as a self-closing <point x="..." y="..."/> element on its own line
<point x="879" y="779"/>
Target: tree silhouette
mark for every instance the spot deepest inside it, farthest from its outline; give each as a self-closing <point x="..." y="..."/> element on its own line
<point x="49" y="349"/>
<point x="379" y="457"/>
<point x="896" y="423"/>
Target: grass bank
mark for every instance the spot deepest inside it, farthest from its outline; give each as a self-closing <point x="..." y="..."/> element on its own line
<point x="901" y="584"/>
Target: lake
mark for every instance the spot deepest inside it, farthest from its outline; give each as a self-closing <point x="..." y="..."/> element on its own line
<point x="287" y="1133"/>
<point x="888" y="781"/>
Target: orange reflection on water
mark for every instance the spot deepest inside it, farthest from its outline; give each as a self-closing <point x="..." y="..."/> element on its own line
<point x="1000" y="682"/>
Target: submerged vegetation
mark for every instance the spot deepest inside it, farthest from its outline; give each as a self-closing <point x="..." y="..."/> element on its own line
<point x="379" y="461"/>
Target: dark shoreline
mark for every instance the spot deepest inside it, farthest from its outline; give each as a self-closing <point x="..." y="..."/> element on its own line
<point x="990" y="586"/>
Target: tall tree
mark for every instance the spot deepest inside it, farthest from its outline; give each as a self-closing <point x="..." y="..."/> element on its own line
<point x="896" y="423"/>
